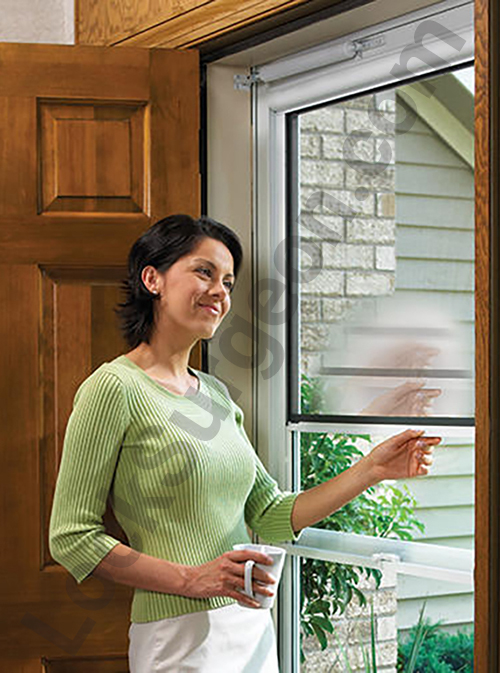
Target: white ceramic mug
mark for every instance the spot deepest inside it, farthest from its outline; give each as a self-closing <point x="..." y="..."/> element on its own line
<point x="278" y="556"/>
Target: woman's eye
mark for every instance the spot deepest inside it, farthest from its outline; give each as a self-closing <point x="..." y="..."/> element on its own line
<point x="228" y="283"/>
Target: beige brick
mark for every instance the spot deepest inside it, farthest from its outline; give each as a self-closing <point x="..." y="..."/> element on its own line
<point x="387" y="653"/>
<point x="387" y="628"/>
<point x="385" y="257"/>
<point x="345" y="256"/>
<point x="310" y="363"/>
<point x="357" y="148"/>
<point x="386" y="205"/>
<point x="349" y="149"/>
<point x="384" y="602"/>
<point x="322" y="173"/>
<point x="329" y="118"/>
<point x="306" y="193"/>
<point x="370" y="231"/>
<point x="327" y="282"/>
<point x="345" y="202"/>
<point x="334" y="225"/>
<point x="310" y="145"/>
<point x="360" y="120"/>
<point x="358" y="631"/>
<point x="310" y="309"/>
<point x="367" y="583"/>
<point x="369" y="284"/>
<point x="314" y="337"/>
<point x="354" y="610"/>
<point x="333" y="147"/>
<point x="373" y="177"/>
<point x="334" y="310"/>
<point x="355" y="657"/>
<point x="310" y="254"/>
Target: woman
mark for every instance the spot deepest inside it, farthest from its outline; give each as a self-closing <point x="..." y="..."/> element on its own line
<point x="168" y="444"/>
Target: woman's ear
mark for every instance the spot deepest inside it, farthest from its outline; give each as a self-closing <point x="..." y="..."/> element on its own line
<point x="150" y="280"/>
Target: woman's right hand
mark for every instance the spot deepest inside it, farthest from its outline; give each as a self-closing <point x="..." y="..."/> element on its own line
<point x="225" y="574"/>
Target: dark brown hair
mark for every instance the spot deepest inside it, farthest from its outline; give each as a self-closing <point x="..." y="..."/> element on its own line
<point x="161" y="246"/>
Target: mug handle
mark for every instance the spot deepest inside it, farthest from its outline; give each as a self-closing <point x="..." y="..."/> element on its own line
<point x="248" y="577"/>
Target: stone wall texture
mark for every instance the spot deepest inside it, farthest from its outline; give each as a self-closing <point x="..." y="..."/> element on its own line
<point x="353" y="631"/>
<point x="347" y="241"/>
<point x="347" y="186"/>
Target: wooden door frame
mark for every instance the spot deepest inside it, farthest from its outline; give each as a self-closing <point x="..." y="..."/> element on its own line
<point x="487" y="525"/>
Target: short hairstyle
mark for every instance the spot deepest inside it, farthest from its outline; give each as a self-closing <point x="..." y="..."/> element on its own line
<point x="161" y="246"/>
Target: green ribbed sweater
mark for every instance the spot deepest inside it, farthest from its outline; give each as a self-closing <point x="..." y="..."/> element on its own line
<point x="181" y="473"/>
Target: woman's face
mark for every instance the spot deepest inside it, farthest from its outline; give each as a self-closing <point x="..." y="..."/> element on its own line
<point x="195" y="290"/>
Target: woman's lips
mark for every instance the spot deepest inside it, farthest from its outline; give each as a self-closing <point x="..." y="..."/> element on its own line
<point x="210" y="309"/>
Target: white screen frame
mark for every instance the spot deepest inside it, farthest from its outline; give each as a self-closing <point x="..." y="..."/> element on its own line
<point x="271" y="102"/>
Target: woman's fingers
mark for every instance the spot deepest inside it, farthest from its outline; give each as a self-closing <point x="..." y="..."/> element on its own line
<point x="408" y="388"/>
<point x="402" y="437"/>
<point x="421" y="400"/>
<point x="245" y="554"/>
<point x="243" y="598"/>
<point x="257" y="573"/>
<point x="424" y="442"/>
<point x="257" y="587"/>
<point x="423" y="455"/>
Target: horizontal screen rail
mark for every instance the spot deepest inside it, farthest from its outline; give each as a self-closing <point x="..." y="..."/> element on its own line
<point x="360" y="428"/>
<point x="417" y="559"/>
<point x="397" y="372"/>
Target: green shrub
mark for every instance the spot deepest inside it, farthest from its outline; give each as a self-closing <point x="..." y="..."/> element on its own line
<point x="440" y="652"/>
<point x="382" y="511"/>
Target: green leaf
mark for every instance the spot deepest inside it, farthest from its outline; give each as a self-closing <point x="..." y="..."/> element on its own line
<point x="320" y="634"/>
<point x="325" y="623"/>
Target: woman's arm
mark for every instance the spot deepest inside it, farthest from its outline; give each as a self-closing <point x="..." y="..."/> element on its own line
<point x="223" y="576"/>
<point x="94" y="434"/>
<point x="125" y="565"/>
<point x="405" y="455"/>
<point x="320" y="501"/>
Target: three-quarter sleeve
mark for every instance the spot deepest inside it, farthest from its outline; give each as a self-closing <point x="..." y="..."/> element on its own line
<point x="268" y="510"/>
<point x="93" y="438"/>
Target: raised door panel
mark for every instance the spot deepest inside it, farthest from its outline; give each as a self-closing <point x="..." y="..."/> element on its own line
<point x="95" y="145"/>
<point x="93" y="157"/>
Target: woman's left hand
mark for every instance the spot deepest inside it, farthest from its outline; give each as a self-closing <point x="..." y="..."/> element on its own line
<point x="408" y="454"/>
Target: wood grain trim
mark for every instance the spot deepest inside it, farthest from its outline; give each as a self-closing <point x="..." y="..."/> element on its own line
<point x="487" y="413"/>
<point x="177" y="25"/>
<point x="187" y="30"/>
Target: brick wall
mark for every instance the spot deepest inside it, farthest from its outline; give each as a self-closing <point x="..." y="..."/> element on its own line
<point x="342" y="154"/>
<point x="353" y="631"/>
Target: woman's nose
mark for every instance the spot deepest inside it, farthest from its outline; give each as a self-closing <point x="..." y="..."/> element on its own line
<point x="220" y="289"/>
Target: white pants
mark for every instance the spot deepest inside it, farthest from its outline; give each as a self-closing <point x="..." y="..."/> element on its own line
<point x="231" y="639"/>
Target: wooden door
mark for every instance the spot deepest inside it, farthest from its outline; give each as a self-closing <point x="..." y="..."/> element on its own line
<point x="95" y="145"/>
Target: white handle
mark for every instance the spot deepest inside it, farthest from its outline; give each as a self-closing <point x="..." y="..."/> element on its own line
<point x="248" y="577"/>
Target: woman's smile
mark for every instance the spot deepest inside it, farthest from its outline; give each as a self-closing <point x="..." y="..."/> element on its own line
<point x="213" y="310"/>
